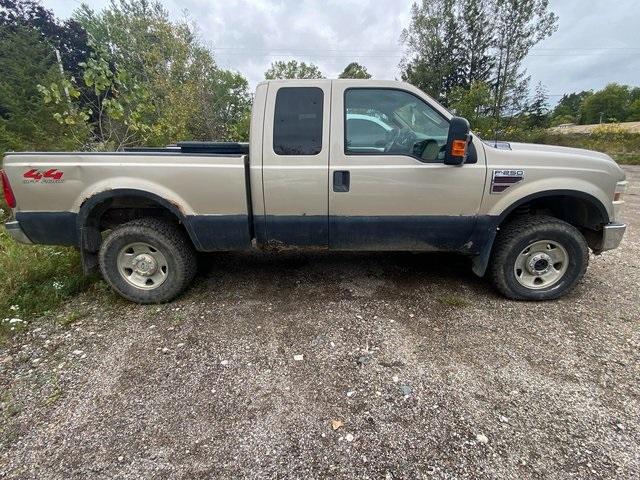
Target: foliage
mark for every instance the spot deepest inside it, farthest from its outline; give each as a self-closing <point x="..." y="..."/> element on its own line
<point x="608" y="105"/>
<point x="433" y="41"/>
<point x="147" y="80"/>
<point x="519" y="26"/>
<point x="614" y="103"/>
<point x="355" y="70"/>
<point x="68" y="37"/>
<point x="34" y="280"/>
<point x="620" y="144"/>
<point x="537" y="114"/>
<point x="26" y="123"/>
<point x="474" y="105"/>
<point x="569" y="108"/>
<point x="292" y="69"/>
<point x="456" y="43"/>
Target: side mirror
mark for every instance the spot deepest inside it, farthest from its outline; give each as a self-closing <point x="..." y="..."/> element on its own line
<point x="457" y="141"/>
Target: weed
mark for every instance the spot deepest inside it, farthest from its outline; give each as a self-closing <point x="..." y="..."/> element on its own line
<point x="453" y="301"/>
<point x="34" y="279"/>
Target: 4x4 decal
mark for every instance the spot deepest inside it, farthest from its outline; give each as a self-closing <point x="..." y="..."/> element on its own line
<point x="503" y="179"/>
<point x="52" y="175"/>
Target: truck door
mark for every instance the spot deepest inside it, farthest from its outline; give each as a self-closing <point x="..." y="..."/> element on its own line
<point x="389" y="186"/>
<point x="296" y="162"/>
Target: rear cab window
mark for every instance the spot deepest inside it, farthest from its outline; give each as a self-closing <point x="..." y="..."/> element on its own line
<point x="298" y="121"/>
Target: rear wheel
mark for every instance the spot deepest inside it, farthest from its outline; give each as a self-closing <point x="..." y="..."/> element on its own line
<point x="538" y="258"/>
<point x="148" y="260"/>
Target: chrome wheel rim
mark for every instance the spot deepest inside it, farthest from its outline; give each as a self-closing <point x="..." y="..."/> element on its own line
<point x="541" y="265"/>
<point x="142" y="265"/>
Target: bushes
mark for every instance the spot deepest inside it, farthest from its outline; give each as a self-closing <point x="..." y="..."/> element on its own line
<point x="620" y="144"/>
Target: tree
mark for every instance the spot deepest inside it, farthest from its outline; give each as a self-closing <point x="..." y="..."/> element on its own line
<point x="538" y="110"/>
<point x="433" y="42"/>
<point x="569" y="108"/>
<point x="26" y="123"/>
<point x="473" y="103"/>
<point x="634" y="111"/>
<point x="292" y="69"/>
<point x="607" y="105"/>
<point x="519" y="25"/>
<point x="454" y="43"/>
<point x="148" y="81"/>
<point x="355" y="70"/>
<point x="68" y="37"/>
<point x="478" y="38"/>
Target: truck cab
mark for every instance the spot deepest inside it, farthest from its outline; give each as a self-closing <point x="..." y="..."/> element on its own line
<point x="348" y="165"/>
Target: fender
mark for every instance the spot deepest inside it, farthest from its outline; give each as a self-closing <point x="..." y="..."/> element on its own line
<point x="488" y="226"/>
<point x="92" y="209"/>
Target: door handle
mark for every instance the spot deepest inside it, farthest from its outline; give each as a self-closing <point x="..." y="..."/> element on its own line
<point x="341" y="181"/>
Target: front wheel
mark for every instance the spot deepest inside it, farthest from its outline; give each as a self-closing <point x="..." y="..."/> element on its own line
<point x="538" y="258"/>
<point x="148" y="260"/>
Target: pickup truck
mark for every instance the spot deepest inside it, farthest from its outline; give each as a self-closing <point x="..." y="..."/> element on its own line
<point x="331" y="164"/>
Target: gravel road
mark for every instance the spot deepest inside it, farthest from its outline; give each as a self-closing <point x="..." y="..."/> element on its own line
<point x="423" y="370"/>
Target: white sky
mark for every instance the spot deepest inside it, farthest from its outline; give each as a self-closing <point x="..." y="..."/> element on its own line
<point x="597" y="42"/>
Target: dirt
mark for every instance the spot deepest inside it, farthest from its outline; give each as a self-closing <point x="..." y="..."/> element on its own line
<point x="431" y="373"/>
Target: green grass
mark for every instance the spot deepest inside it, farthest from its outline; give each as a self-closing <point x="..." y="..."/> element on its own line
<point x="626" y="158"/>
<point x="623" y="147"/>
<point x="453" y="301"/>
<point x="34" y="279"/>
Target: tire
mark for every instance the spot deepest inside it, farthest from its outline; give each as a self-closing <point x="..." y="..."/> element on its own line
<point x="148" y="260"/>
<point x="517" y="272"/>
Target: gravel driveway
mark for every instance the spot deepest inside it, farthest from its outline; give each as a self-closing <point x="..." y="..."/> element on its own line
<point x="343" y="366"/>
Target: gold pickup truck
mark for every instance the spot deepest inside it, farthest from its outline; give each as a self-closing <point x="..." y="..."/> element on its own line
<point x="331" y="164"/>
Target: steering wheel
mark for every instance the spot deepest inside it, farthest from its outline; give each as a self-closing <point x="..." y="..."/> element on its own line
<point x="404" y="137"/>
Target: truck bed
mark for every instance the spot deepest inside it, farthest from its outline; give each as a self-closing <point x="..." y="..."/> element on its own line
<point x="204" y="187"/>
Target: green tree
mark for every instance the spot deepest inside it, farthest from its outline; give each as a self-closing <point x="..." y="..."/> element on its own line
<point x="478" y="38"/>
<point x="355" y="70"/>
<point x="607" y="105"/>
<point x="149" y="81"/>
<point x="434" y="48"/>
<point x="292" y="69"/>
<point x="537" y="113"/>
<point x="634" y="111"/>
<point x="68" y="38"/>
<point x="519" y="25"/>
<point x="473" y="103"/>
<point x="569" y="108"/>
<point x="26" y="123"/>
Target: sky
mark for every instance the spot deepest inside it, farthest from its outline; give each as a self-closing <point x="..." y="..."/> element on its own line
<point x="597" y="42"/>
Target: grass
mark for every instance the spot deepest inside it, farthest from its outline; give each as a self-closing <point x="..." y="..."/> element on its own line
<point x="34" y="279"/>
<point x="623" y="147"/>
<point x="452" y="301"/>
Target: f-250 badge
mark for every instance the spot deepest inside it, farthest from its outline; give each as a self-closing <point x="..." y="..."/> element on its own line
<point x="503" y="179"/>
<point x="34" y="175"/>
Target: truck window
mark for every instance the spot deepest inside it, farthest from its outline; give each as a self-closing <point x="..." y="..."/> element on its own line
<point x="397" y="123"/>
<point x="297" y="128"/>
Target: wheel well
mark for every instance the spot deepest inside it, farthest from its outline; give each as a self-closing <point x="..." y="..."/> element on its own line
<point x="124" y="209"/>
<point x="583" y="213"/>
<point x="107" y="211"/>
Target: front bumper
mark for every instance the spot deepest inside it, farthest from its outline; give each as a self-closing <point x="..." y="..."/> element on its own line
<point x="612" y="235"/>
<point x="15" y="231"/>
